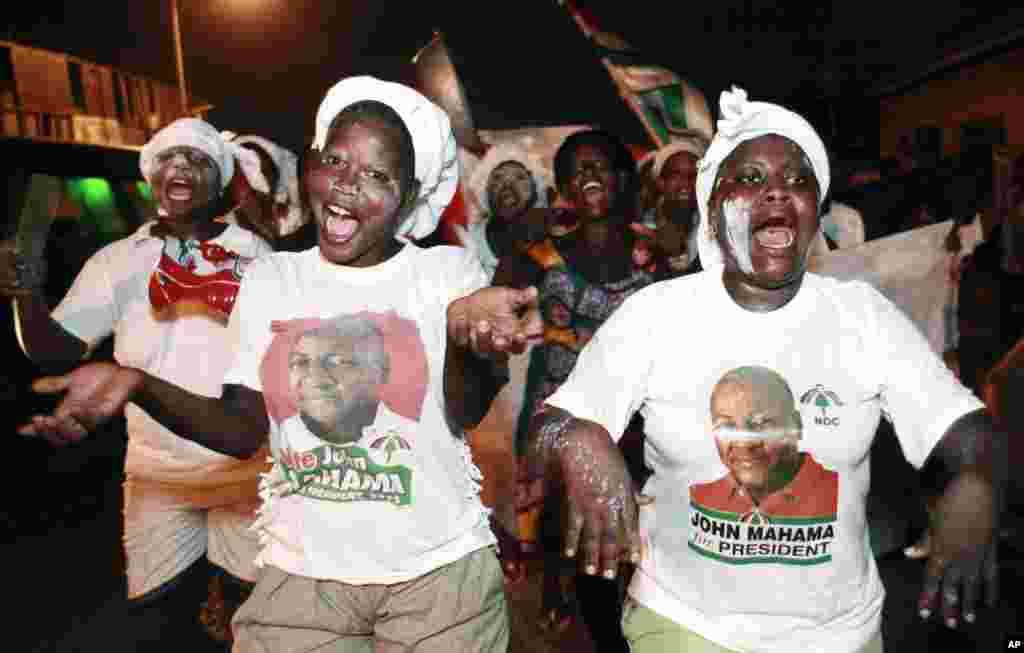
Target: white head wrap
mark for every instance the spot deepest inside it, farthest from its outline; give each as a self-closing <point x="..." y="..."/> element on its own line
<point x="193" y="132"/>
<point x="437" y="168"/>
<point x="495" y="156"/>
<point x="285" y="161"/>
<point x="287" y="191"/>
<point x="696" y="144"/>
<point x="742" y="121"/>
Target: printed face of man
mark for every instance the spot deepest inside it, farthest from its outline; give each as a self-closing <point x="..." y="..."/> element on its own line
<point x="334" y="387"/>
<point x="756" y="429"/>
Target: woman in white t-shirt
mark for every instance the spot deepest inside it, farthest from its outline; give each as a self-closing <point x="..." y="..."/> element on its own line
<point x="164" y="293"/>
<point x="365" y="358"/>
<point x="785" y="566"/>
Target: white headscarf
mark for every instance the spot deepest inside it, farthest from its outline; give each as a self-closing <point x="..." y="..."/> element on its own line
<point x="742" y="121"/>
<point x="287" y="164"/>
<point x="193" y="132"/>
<point x="695" y="144"/>
<point x="437" y="168"/>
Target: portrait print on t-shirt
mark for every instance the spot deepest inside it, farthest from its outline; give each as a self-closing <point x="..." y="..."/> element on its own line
<point x="775" y="503"/>
<point x="346" y="394"/>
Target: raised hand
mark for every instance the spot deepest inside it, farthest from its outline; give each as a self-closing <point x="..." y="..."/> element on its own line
<point x="95" y="392"/>
<point x="962" y="562"/>
<point x="495" y="320"/>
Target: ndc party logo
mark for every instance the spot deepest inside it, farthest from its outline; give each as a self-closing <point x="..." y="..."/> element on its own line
<point x="821" y="397"/>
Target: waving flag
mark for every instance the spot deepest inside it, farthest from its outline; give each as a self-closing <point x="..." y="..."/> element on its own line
<point x="669" y="107"/>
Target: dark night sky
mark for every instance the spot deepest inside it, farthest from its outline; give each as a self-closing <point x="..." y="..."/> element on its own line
<point x="266" y="63"/>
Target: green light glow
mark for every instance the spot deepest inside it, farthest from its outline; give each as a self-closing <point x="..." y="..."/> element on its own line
<point x="96" y="198"/>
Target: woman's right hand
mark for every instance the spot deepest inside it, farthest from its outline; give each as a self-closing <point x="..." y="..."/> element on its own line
<point x="19" y="276"/>
<point x="94" y="393"/>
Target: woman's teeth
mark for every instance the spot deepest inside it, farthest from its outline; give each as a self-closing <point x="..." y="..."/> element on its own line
<point x="179" y="191"/>
<point x="340" y="225"/>
<point x="775" y="237"/>
<point x="592" y="185"/>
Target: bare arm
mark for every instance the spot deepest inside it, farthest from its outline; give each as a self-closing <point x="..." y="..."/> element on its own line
<point x="471" y="383"/>
<point x="968" y="467"/>
<point x="483" y="328"/>
<point x="602" y="507"/>
<point x="234" y="424"/>
<point x="44" y="340"/>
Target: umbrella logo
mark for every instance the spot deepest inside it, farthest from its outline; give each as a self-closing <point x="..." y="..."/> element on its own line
<point x="390" y="443"/>
<point x="824" y="399"/>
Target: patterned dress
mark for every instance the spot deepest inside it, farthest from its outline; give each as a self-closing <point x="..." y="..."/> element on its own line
<point x="572" y="308"/>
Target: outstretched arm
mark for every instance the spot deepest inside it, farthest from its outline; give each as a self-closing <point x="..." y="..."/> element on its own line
<point x="483" y="329"/>
<point x="234" y="424"/>
<point x="968" y="468"/>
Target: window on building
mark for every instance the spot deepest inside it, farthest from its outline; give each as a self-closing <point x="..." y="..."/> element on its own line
<point x="8" y="89"/>
<point x="77" y="88"/>
<point x="118" y="96"/>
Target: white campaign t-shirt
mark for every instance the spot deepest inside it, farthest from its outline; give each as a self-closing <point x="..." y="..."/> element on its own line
<point x="795" y="573"/>
<point x="169" y="477"/>
<point x="369" y="484"/>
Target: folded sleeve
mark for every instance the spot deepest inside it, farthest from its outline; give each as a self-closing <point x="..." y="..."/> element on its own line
<point x="91" y="308"/>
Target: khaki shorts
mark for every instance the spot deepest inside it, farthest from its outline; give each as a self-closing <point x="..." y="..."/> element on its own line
<point x="459" y="607"/>
<point x="649" y="632"/>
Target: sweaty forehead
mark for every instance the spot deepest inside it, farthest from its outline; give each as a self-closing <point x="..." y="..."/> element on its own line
<point x="509" y="167"/>
<point x="591" y="151"/>
<point x="368" y="128"/>
<point x="769" y="146"/>
<point x="183" y="149"/>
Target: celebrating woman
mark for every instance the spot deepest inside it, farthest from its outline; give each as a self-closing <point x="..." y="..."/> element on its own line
<point x="788" y="568"/>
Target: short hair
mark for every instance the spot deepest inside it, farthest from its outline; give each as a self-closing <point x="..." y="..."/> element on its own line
<point x="621" y="159"/>
<point x="754" y="377"/>
<point x="358" y="327"/>
<point x="375" y="110"/>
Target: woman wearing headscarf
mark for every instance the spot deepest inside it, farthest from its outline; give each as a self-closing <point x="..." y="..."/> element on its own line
<point x="714" y="577"/>
<point x="165" y="294"/>
<point x="584" y="277"/>
<point x="271" y="204"/>
<point x="507" y="183"/>
<point x="670" y="220"/>
<point x="365" y="358"/>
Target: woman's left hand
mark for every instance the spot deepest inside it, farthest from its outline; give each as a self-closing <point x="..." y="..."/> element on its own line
<point x="962" y="561"/>
<point x="495" y="320"/>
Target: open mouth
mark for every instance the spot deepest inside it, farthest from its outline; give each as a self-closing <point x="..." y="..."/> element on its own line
<point x="179" y="189"/>
<point x="775" y="234"/>
<point x="340" y="224"/>
<point x="508" y="199"/>
<point x="592" y="187"/>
